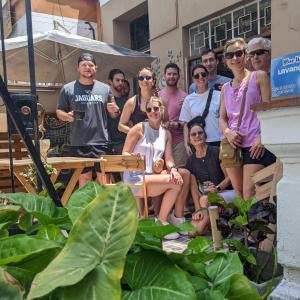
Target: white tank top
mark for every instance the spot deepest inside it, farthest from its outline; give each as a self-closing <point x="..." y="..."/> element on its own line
<point x="155" y="137"/>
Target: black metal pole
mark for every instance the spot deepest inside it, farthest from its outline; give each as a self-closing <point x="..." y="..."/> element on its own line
<point x="32" y="80"/>
<point x="12" y="110"/>
<point x="5" y="81"/>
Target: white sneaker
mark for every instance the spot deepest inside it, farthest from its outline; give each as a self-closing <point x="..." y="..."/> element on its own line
<point x="176" y="222"/>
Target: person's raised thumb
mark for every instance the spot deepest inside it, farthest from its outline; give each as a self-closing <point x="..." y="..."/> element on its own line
<point x="113" y="100"/>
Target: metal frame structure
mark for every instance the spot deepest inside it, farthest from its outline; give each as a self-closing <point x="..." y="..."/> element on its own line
<point x="12" y="110"/>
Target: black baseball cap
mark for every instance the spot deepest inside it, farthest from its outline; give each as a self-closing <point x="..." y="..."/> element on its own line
<point x="87" y="56"/>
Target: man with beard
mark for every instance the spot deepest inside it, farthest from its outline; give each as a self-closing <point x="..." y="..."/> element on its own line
<point x="210" y="62"/>
<point x="116" y="79"/>
<point x="84" y="103"/>
<point x="173" y="98"/>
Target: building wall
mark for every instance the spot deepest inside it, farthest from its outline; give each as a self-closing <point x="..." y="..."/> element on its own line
<point x="168" y="25"/>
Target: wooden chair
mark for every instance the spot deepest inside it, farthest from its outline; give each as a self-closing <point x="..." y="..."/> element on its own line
<point x="19" y="151"/>
<point x="122" y="163"/>
<point x="266" y="180"/>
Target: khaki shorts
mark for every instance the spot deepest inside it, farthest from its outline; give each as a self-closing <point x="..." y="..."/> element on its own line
<point x="179" y="154"/>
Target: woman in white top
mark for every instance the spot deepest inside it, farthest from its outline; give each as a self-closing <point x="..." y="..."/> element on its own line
<point x="152" y="140"/>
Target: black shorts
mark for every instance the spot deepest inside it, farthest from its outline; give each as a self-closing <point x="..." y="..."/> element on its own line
<point x="89" y="151"/>
<point x="216" y="144"/>
<point x="267" y="159"/>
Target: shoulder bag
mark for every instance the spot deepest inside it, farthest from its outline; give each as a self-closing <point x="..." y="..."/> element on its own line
<point x="201" y="119"/>
<point x="232" y="157"/>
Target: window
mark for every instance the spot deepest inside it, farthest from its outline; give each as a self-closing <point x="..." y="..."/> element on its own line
<point x="245" y="21"/>
<point x="139" y="34"/>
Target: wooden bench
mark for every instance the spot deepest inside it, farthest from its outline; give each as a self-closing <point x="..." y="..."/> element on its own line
<point x="19" y="152"/>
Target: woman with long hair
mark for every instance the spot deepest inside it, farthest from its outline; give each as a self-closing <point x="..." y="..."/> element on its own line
<point x="206" y="175"/>
<point x="257" y="87"/>
<point x="149" y="138"/>
<point x="134" y="110"/>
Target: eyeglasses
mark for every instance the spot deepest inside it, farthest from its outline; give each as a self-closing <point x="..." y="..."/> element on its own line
<point x="153" y="109"/>
<point x="203" y="75"/>
<point x="142" y="78"/>
<point x="258" y="52"/>
<point x="194" y="134"/>
<point x="238" y="53"/>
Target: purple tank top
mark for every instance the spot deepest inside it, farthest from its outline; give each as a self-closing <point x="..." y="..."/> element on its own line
<point x="250" y="126"/>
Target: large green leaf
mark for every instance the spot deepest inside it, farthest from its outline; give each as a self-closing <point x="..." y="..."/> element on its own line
<point x="18" y="247"/>
<point x="42" y="208"/>
<point x="148" y="241"/>
<point x="242" y="250"/>
<point x="51" y="232"/>
<point x="10" y="288"/>
<point x="241" y="289"/>
<point x="151" y="275"/>
<point x="156" y="228"/>
<point x="221" y="269"/>
<point x="101" y="236"/>
<point x="81" y="198"/>
<point x="8" y="216"/>
<point x="200" y="244"/>
<point x="23" y="276"/>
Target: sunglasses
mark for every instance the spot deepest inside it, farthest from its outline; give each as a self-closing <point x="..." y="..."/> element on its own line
<point x="153" y="109"/>
<point x="238" y="53"/>
<point x="142" y="78"/>
<point x="258" y="52"/>
<point x="194" y="134"/>
<point x="203" y="75"/>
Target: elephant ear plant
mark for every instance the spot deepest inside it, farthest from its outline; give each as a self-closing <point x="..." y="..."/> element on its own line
<point x="107" y="253"/>
<point x="87" y="264"/>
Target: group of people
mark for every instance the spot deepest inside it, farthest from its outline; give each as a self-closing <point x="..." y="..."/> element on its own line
<point x="178" y="133"/>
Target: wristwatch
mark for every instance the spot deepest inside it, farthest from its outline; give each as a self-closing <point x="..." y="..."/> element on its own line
<point x="178" y="125"/>
<point x="218" y="188"/>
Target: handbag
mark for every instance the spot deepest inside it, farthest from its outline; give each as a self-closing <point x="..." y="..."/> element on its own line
<point x="201" y="119"/>
<point x="157" y="164"/>
<point x="232" y="157"/>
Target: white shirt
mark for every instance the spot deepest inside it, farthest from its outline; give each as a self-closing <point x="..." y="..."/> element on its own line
<point x="194" y="105"/>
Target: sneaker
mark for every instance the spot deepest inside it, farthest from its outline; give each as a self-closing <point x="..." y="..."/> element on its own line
<point x="176" y="222"/>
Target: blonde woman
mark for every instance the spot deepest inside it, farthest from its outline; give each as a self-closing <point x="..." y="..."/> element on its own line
<point x="248" y="137"/>
<point x="149" y="138"/>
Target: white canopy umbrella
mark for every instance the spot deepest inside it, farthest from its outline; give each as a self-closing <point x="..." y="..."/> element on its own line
<point x="56" y="55"/>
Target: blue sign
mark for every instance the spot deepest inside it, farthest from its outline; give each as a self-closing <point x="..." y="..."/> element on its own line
<point x="285" y="75"/>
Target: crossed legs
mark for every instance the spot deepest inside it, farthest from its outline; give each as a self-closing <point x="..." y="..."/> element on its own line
<point x="161" y="184"/>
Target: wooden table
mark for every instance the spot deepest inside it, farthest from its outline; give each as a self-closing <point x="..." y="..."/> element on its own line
<point x="59" y="163"/>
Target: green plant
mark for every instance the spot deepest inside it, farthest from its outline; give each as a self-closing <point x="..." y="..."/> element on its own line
<point x="90" y="259"/>
<point x="46" y="262"/>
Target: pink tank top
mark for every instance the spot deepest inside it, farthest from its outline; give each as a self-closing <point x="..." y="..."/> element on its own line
<point x="250" y="126"/>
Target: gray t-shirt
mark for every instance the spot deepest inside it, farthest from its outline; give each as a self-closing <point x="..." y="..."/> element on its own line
<point x="92" y="100"/>
<point x="216" y="83"/>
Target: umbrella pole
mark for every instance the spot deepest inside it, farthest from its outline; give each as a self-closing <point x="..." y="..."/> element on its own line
<point x="12" y="177"/>
<point x="32" y="81"/>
